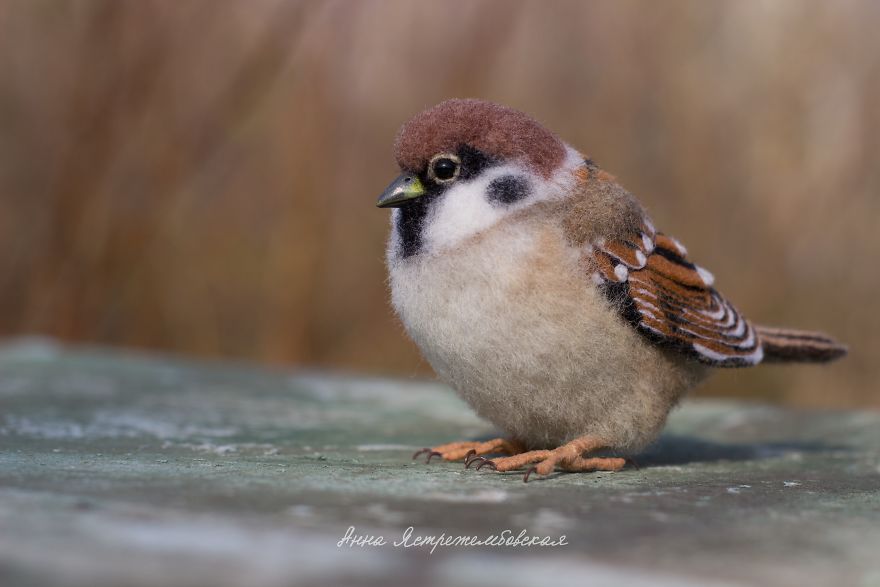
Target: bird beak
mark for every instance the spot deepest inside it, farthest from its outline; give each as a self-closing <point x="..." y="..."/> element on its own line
<point x="402" y="190"/>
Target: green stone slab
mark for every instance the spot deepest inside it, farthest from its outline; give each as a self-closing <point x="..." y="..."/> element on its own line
<point x="126" y="469"/>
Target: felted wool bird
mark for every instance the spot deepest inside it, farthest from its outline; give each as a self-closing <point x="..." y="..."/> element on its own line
<point x="538" y="288"/>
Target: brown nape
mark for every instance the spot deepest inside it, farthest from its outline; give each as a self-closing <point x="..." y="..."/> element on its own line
<point x="601" y="208"/>
<point x="496" y="130"/>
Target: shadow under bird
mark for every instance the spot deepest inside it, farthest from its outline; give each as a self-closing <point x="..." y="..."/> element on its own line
<point x="539" y="289"/>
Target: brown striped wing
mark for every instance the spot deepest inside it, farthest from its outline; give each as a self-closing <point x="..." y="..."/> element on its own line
<point x="671" y="301"/>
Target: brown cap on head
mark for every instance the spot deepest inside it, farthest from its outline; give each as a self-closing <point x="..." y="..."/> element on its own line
<point x="496" y="130"/>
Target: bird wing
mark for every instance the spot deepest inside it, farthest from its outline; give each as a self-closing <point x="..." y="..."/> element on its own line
<point x="671" y="301"/>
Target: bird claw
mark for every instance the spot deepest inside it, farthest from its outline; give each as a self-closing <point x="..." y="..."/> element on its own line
<point x="529" y="472"/>
<point x="471" y="455"/>
<point x="484" y="462"/>
<point x="431" y="454"/>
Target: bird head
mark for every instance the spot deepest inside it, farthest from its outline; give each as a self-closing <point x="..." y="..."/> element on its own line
<point x="465" y="165"/>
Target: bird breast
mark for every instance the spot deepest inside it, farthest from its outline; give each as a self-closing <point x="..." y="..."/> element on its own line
<point x="510" y="320"/>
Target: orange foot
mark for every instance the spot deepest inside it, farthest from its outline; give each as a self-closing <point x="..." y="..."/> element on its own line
<point x="568" y="457"/>
<point x="470" y="450"/>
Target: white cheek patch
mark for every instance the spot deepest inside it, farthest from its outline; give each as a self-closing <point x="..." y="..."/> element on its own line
<point x="464" y="210"/>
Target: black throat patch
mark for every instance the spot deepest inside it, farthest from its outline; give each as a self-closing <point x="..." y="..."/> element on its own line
<point x="410" y="221"/>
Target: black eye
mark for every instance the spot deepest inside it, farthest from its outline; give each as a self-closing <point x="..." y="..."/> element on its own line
<point x="444" y="168"/>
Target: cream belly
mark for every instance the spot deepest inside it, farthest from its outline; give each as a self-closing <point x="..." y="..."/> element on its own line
<point x="513" y="323"/>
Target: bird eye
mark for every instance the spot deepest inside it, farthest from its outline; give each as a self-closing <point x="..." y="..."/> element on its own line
<point x="444" y="168"/>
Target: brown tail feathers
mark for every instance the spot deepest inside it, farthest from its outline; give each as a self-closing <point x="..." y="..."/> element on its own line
<point x="782" y="345"/>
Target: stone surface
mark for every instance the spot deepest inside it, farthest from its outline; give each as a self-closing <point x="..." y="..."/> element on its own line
<point x="138" y="470"/>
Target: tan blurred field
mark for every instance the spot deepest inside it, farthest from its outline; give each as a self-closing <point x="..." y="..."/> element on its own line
<point x="200" y="177"/>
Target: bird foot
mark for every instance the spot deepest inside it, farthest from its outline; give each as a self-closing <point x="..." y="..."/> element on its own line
<point x="568" y="457"/>
<point x="470" y="450"/>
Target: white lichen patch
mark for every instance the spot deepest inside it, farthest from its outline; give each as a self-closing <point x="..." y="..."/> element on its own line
<point x="485" y="496"/>
<point x="108" y="425"/>
<point x="381" y="447"/>
<point x="738" y="489"/>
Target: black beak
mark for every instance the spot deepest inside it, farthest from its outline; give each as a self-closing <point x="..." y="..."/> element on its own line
<point x="402" y="190"/>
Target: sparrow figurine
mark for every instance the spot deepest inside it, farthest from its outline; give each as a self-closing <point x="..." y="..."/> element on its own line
<point x="538" y="288"/>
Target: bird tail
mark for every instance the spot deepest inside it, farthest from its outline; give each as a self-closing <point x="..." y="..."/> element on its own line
<point x="783" y="345"/>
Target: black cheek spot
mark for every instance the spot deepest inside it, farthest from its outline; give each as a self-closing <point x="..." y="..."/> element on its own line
<point x="508" y="189"/>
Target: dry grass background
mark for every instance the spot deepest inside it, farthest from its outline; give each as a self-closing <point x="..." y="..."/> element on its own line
<point x="200" y="176"/>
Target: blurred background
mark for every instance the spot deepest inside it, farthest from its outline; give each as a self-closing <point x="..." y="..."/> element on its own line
<point x="199" y="177"/>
